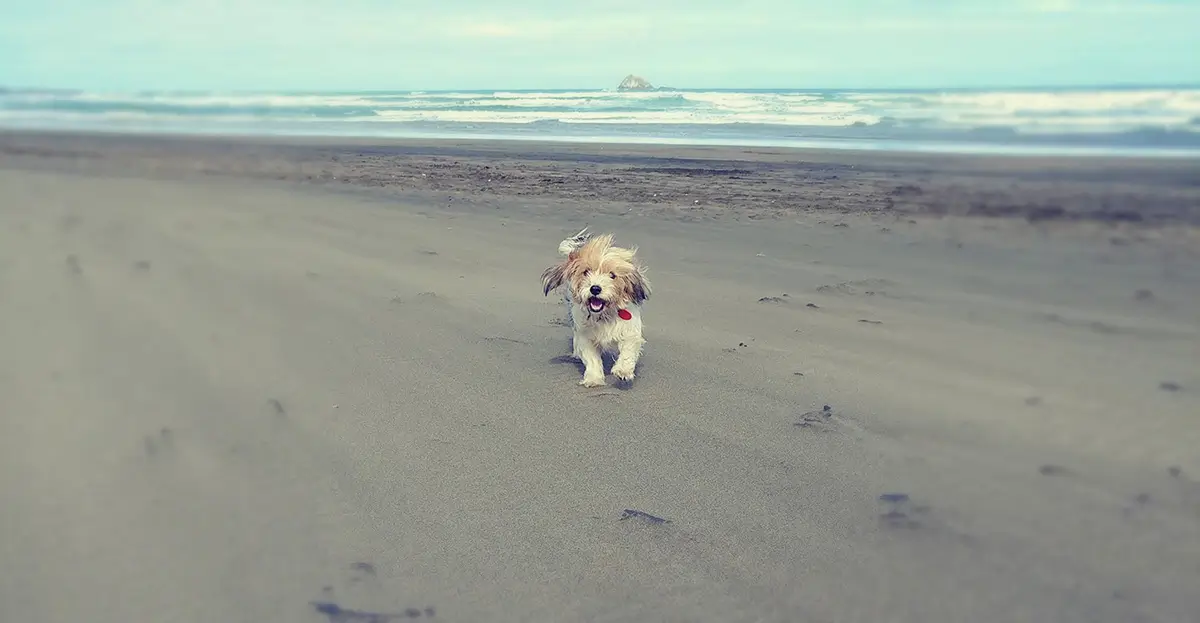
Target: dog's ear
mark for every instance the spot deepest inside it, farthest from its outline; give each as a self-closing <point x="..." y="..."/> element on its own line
<point x="553" y="277"/>
<point x="639" y="285"/>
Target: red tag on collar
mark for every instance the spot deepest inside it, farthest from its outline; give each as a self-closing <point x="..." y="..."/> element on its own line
<point x="624" y="314"/>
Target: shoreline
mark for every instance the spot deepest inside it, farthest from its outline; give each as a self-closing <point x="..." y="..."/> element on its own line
<point x="701" y="182"/>
<point x="949" y="145"/>
<point x="815" y="138"/>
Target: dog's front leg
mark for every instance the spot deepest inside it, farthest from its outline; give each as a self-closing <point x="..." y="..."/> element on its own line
<point x="630" y="349"/>
<point x="593" y="364"/>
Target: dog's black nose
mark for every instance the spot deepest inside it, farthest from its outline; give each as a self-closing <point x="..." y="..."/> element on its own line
<point x="595" y="290"/>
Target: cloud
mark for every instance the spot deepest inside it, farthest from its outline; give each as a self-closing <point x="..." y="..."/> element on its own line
<point x="546" y="30"/>
<point x="493" y="29"/>
<point x="1110" y="7"/>
<point x="543" y="43"/>
<point x="1052" y="6"/>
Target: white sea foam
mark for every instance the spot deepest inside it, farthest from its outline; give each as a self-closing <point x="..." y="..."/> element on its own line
<point x="755" y="114"/>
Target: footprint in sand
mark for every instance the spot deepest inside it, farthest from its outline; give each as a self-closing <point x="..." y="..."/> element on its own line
<point x="73" y="265"/>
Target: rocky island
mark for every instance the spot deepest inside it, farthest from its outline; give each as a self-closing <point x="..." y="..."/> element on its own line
<point x="635" y="83"/>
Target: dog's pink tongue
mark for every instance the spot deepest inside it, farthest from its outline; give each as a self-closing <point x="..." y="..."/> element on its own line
<point x="596" y="305"/>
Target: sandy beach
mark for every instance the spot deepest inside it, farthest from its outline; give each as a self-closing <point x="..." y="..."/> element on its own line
<point x="316" y="380"/>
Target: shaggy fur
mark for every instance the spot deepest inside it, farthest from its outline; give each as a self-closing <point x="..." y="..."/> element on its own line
<point x="602" y="281"/>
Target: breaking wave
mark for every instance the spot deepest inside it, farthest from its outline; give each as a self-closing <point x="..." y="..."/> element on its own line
<point x="1113" y="119"/>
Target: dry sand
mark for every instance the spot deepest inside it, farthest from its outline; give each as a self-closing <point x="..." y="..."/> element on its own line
<point x="225" y="399"/>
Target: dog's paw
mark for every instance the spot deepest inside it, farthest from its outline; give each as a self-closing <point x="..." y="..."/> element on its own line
<point x="625" y="373"/>
<point x="592" y="381"/>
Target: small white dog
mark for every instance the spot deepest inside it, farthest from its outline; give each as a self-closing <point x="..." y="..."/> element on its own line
<point x="604" y="295"/>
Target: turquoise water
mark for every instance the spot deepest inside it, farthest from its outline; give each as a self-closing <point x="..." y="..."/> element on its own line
<point x="1146" y="121"/>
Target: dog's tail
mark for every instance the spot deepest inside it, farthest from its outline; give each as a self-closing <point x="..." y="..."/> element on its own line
<point x="574" y="242"/>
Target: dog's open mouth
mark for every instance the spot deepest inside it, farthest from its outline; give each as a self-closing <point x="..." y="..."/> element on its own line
<point x="596" y="305"/>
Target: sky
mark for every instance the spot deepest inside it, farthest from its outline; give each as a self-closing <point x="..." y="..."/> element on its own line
<point x="326" y="45"/>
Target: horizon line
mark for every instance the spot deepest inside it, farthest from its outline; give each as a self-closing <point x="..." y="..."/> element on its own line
<point x="999" y="87"/>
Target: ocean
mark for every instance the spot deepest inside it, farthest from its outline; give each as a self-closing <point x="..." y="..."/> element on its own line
<point x="1162" y="121"/>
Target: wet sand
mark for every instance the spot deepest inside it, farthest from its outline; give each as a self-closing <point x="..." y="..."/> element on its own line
<point x="229" y="392"/>
<point x="686" y="183"/>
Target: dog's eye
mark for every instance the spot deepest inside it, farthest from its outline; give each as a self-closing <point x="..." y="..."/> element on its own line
<point x="612" y="275"/>
<point x="587" y="272"/>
